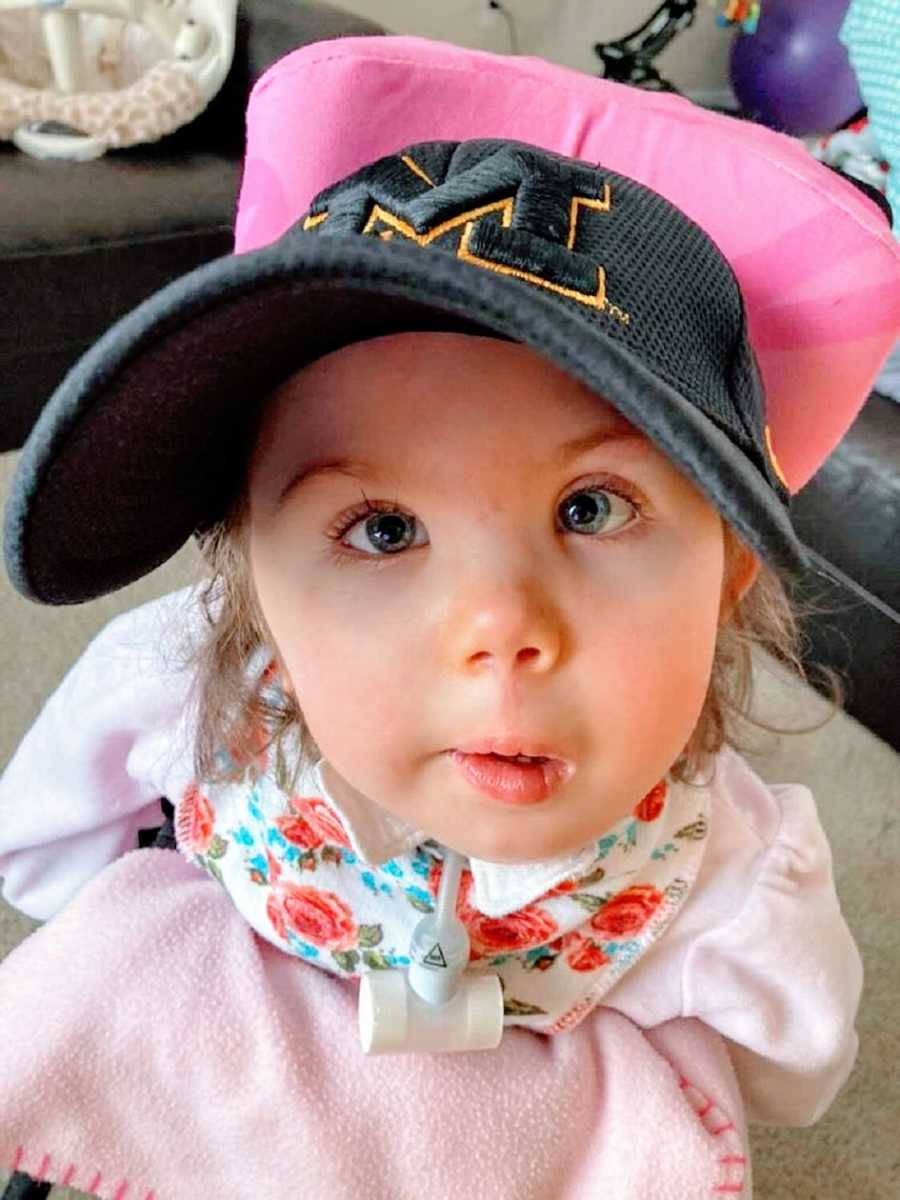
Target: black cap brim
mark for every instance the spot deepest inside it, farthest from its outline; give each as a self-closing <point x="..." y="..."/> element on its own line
<point x="142" y="443"/>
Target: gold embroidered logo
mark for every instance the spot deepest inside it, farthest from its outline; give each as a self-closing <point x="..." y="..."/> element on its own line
<point x="384" y="224"/>
<point x="776" y="465"/>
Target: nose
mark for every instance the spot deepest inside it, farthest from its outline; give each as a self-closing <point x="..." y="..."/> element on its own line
<point x="505" y="627"/>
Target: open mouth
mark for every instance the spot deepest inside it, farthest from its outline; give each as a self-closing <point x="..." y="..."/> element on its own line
<point x="519" y="758"/>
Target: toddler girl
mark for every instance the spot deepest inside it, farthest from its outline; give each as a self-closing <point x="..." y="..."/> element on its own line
<point x="478" y="456"/>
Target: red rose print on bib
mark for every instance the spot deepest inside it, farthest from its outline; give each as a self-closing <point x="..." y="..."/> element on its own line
<point x="321" y="819"/>
<point x="627" y="913"/>
<point x="195" y="821"/>
<point x="321" y="918"/>
<point x="652" y="804"/>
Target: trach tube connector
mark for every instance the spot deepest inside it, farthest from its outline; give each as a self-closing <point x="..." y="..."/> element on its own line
<point x="434" y="1006"/>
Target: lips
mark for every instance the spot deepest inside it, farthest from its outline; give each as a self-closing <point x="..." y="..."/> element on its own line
<point x="512" y="747"/>
<point x="494" y="767"/>
<point x="511" y="781"/>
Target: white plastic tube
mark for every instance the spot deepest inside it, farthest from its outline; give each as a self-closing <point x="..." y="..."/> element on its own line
<point x="435" y="1006"/>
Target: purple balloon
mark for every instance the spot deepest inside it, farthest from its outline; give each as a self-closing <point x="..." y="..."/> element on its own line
<point x="794" y="74"/>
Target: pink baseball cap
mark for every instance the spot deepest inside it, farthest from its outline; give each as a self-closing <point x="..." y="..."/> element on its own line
<point x="815" y="258"/>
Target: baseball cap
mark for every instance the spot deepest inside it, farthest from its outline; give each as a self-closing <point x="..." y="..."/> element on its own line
<point x="142" y="444"/>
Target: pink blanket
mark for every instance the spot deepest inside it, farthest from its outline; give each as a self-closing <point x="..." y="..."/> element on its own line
<point x="154" y="1048"/>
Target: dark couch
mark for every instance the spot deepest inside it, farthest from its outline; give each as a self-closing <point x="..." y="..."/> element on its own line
<point x="849" y="514"/>
<point x="82" y="243"/>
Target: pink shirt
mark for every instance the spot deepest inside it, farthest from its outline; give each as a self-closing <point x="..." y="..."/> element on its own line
<point x="760" y="950"/>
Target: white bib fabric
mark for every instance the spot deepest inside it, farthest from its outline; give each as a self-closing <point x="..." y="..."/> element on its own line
<point x="343" y="884"/>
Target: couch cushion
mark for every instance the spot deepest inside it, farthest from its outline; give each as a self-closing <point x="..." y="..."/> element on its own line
<point x="82" y="243"/>
<point x="849" y="513"/>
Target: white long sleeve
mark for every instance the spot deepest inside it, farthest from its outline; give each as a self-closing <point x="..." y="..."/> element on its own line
<point x="89" y="772"/>
<point x="781" y="980"/>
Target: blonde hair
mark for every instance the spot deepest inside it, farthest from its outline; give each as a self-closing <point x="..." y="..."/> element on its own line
<point x="247" y="713"/>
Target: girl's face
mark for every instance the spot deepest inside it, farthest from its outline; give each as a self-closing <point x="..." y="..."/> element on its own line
<point x="541" y="573"/>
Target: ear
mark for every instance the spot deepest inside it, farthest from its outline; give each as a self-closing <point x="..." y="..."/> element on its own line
<point x="741" y="571"/>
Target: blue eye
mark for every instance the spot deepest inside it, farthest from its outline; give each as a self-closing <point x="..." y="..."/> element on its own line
<point x="383" y="527"/>
<point x="390" y="531"/>
<point x="386" y="529"/>
<point x="596" y="510"/>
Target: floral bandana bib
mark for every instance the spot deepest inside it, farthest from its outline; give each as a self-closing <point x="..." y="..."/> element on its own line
<point x="342" y="886"/>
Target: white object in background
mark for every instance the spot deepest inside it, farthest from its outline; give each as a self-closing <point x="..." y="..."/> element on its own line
<point x="178" y="55"/>
<point x="53" y="139"/>
<point x="434" y="1006"/>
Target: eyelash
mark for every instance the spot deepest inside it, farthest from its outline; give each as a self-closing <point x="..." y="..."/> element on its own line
<point x="347" y="520"/>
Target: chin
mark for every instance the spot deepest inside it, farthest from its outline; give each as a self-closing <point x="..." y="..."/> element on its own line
<point x="512" y="855"/>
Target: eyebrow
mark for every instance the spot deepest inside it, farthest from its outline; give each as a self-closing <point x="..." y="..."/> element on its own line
<point x="358" y="468"/>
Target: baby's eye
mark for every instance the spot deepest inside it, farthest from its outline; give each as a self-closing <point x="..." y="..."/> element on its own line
<point x="596" y="510"/>
<point x="387" y="530"/>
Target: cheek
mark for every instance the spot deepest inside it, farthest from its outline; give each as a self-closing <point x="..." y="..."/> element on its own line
<point x="653" y="667"/>
<point x="349" y="695"/>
